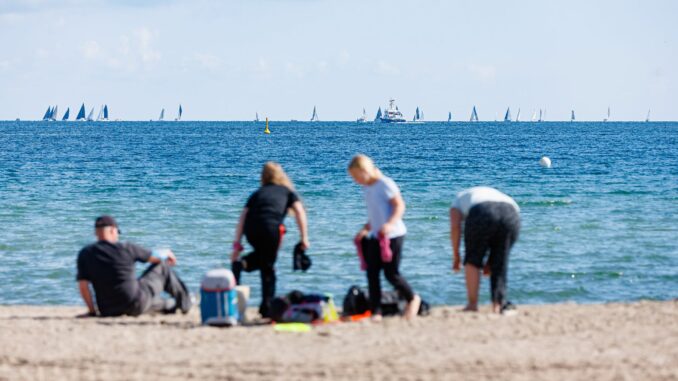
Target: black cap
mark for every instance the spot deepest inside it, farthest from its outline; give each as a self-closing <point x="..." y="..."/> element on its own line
<point x="103" y="221"/>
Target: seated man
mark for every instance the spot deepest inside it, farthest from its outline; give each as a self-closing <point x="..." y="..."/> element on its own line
<point x="109" y="266"/>
<point x="491" y="222"/>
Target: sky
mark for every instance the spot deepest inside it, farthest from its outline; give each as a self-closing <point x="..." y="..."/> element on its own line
<point x="227" y="60"/>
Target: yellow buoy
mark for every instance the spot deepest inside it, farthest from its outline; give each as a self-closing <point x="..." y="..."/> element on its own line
<point x="267" y="131"/>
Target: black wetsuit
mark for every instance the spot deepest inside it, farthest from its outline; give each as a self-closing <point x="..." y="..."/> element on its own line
<point x="266" y="210"/>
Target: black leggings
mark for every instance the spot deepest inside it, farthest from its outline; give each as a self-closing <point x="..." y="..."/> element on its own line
<point x="493" y="227"/>
<point x="265" y="241"/>
<point x="372" y="253"/>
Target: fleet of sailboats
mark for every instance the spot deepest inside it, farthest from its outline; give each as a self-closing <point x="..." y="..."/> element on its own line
<point x="389" y="115"/>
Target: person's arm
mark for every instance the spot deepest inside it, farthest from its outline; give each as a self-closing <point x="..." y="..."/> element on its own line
<point x="362" y="232"/>
<point x="455" y="235"/>
<point x="237" y="246"/>
<point x="398" y="205"/>
<point x="302" y="223"/>
<point x="87" y="297"/>
<point x="159" y="255"/>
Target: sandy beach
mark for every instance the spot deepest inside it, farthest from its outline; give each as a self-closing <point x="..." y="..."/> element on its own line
<point x="636" y="341"/>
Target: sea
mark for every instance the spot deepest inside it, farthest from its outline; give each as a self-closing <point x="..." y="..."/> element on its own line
<point x="600" y="225"/>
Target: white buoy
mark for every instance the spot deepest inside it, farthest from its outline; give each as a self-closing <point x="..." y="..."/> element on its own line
<point x="545" y="162"/>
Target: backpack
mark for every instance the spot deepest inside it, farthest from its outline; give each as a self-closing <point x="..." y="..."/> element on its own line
<point x="356" y="302"/>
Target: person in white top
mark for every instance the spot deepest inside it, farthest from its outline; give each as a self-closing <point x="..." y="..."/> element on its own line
<point x="491" y="223"/>
<point x="385" y="208"/>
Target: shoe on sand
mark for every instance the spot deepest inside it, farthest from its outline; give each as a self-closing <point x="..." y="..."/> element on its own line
<point x="508" y="309"/>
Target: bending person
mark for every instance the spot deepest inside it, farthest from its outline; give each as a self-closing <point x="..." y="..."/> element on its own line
<point x="385" y="209"/>
<point x="491" y="223"/>
<point x="109" y="266"/>
<point x="262" y="223"/>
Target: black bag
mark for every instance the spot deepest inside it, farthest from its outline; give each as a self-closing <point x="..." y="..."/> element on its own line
<point x="356" y="302"/>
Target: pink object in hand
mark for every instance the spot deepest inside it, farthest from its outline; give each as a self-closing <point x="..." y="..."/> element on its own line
<point x="385" y="246"/>
<point x="237" y="246"/>
<point x="359" y="247"/>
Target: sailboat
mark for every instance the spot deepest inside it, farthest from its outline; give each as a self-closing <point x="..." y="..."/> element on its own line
<point x="518" y="115"/>
<point x="379" y="115"/>
<point x="449" y="116"/>
<point x="162" y="115"/>
<point x="534" y="116"/>
<point x="507" y="116"/>
<point x="67" y="114"/>
<point x="101" y="114"/>
<point x="572" y="116"/>
<point x="608" y="115"/>
<point x="363" y="118"/>
<point x="90" y="116"/>
<point x="181" y="111"/>
<point x="105" y="118"/>
<point x="474" y="115"/>
<point x="314" y="117"/>
<point x="256" y="116"/>
<point x="541" y="116"/>
<point x="81" y="113"/>
<point x="53" y="114"/>
<point x="48" y="113"/>
<point x="647" y="118"/>
<point x="418" y="116"/>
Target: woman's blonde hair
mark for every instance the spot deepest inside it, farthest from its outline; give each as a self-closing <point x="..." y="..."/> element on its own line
<point x="273" y="173"/>
<point x="364" y="162"/>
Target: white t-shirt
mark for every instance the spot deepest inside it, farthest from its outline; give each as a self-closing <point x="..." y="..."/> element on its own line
<point x="470" y="197"/>
<point x="379" y="209"/>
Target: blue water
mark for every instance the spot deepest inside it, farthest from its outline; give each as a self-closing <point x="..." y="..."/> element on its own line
<point x="601" y="225"/>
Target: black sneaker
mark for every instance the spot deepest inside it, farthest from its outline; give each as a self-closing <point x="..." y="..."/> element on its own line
<point x="508" y="309"/>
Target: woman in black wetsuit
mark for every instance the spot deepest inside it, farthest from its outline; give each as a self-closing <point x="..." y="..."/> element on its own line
<point x="262" y="223"/>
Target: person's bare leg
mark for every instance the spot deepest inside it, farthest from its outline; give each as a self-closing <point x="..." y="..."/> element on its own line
<point x="412" y="309"/>
<point x="472" y="285"/>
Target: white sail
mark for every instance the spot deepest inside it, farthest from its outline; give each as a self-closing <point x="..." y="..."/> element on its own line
<point x="534" y="116"/>
<point x="101" y="114"/>
<point x="608" y="115"/>
<point x="507" y="116"/>
<point x="162" y="115"/>
<point x="518" y="115"/>
<point x="90" y="116"/>
<point x="53" y="116"/>
<point x="572" y="116"/>
<point x="647" y="118"/>
<point x="256" y="116"/>
<point x="541" y="115"/>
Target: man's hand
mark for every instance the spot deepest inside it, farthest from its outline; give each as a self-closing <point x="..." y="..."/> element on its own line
<point x="171" y="258"/>
<point x="456" y="263"/>
<point x="237" y="249"/>
<point x="304" y="243"/>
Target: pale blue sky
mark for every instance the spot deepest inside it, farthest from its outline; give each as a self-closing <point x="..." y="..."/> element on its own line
<point x="225" y="60"/>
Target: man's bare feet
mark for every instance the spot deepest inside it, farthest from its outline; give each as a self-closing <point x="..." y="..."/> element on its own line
<point x="412" y="309"/>
<point x="470" y="308"/>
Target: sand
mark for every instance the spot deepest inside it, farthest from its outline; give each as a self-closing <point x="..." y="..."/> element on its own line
<point x="636" y="341"/>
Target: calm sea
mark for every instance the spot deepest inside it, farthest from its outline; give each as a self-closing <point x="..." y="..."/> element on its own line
<point x="600" y="225"/>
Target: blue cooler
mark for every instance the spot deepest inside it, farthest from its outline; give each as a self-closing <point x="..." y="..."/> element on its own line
<point x="218" y="298"/>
